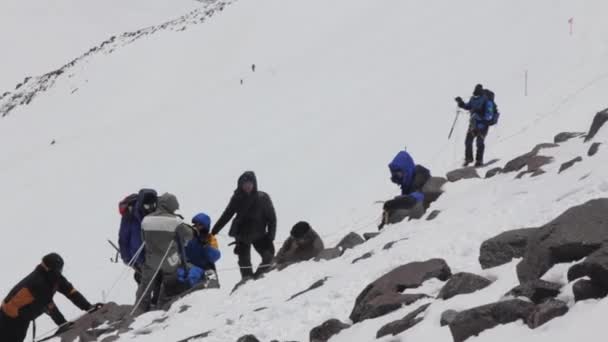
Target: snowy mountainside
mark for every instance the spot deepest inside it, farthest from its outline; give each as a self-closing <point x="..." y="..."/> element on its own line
<point x="339" y="88"/>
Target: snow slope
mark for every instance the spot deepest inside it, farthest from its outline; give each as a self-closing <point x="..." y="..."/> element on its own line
<point x="340" y="86"/>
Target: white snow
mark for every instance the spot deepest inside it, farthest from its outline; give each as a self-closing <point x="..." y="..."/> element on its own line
<point x="340" y="86"/>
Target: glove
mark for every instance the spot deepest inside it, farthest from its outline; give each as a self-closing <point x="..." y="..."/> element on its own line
<point x="181" y="275"/>
<point x="195" y="275"/>
<point x="64" y="327"/>
<point x="459" y="100"/>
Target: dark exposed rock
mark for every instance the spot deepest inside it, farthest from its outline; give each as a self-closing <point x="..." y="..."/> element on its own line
<point x="463" y="283"/>
<point x="493" y="172"/>
<point x="433" y="215"/>
<point x="350" y="241"/>
<point x="460" y="174"/>
<point x="593" y="149"/>
<point x="369" y="236"/>
<point x="191" y="338"/>
<point x="314" y="286"/>
<point x="565" y="136"/>
<point x="598" y="121"/>
<point x="248" y="338"/>
<point x="531" y="159"/>
<point x="432" y="190"/>
<point x="447" y="317"/>
<point x="329" y="254"/>
<point x="565" y="166"/>
<point x="537" y="290"/>
<point x="325" y="331"/>
<point x="88" y="327"/>
<point x="385" y="294"/>
<point x="587" y="289"/>
<point x="573" y="235"/>
<point x="184" y="308"/>
<point x="363" y="257"/>
<point x="595" y="266"/>
<point x="401" y="325"/>
<point x="260" y="309"/>
<point x="390" y="245"/>
<point x="504" y="247"/>
<point x="545" y="312"/>
<point x="538" y="172"/>
<point x="473" y="321"/>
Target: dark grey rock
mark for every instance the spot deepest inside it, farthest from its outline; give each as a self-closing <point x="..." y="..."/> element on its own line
<point x="535" y="163"/>
<point x="595" y="266"/>
<point x="314" y="286"/>
<point x="504" y="247"/>
<point x="460" y="174"/>
<point x="350" y="241"/>
<point x="565" y="136"/>
<point x="369" y="236"/>
<point x="401" y="325"/>
<point x="363" y="257"/>
<point x="447" y="317"/>
<point x="545" y="312"/>
<point x="538" y="172"/>
<point x="531" y="159"/>
<point x="390" y="245"/>
<point x="432" y="190"/>
<point x="598" y="121"/>
<point x="260" y="309"/>
<point x="586" y="289"/>
<point x="575" y="234"/>
<point x="542" y="146"/>
<point x="329" y="254"/>
<point x="463" y="283"/>
<point x="565" y="166"/>
<point x="537" y="290"/>
<point x="248" y="338"/>
<point x="385" y="294"/>
<point x="191" y="338"/>
<point x="88" y="327"/>
<point x="493" y="172"/>
<point x="433" y="215"/>
<point x="473" y="321"/>
<point x="327" y="330"/>
<point x="593" y="149"/>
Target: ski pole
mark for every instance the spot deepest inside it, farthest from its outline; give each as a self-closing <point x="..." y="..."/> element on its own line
<point x="454" y="124"/>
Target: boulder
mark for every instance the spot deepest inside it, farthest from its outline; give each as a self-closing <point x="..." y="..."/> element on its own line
<point x="575" y="234"/>
<point x="595" y="266"/>
<point x="187" y="339"/>
<point x="314" y="286"/>
<point x="565" y="136"/>
<point x="537" y="290"/>
<point x="384" y="295"/>
<point x="433" y="215"/>
<point x="395" y="215"/>
<point x="350" y="241"/>
<point x="325" y="331"/>
<point x="473" y="321"/>
<point x="587" y="289"/>
<point x="390" y="245"/>
<point x="565" y="166"/>
<point x="363" y="257"/>
<point x="530" y="159"/>
<point x="369" y="236"/>
<point x="460" y="174"/>
<point x="593" y="149"/>
<point x="493" y="172"/>
<point x="447" y="317"/>
<point x="598" y="121"/>
<point x="329" y="254"/>
<point x="545" y="312"/>
<point x="504" y="247"/>
<point x="432" y="190"/>
<point x="248" y="338"/>
<point x="462" y="283"/>
<point x="95" y="324"/>
<point x="401" y="325"/>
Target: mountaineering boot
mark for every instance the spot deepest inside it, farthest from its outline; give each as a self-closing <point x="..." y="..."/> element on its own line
<point x="467" y="162"/>
<point x="479" y="163"/>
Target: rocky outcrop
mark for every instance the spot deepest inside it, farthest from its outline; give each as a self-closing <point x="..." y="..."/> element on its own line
<point x="363" y="257"/>
<point x="432" y="190"/>
<point x="493" y="172"/>
<point x="390" y="245"/>
<point x="595" y="147"/>
<point x="504" y="247"/>
<point x="111" y="318"/>
<point x="350" y="241"/>
<point x="586" y="289"/>
<point x="598" y="121"/>
<point x="565" y="136"/>
<point x="447" y="317"/>
<point x="248" y="338"/>
<point x="327" y="330"/>
<point x="463" y="283"/>
<point x="595" y="267"/>
<point x="565" y="166"/>
<point x="314" y="286"/>
<point x="433" y="215"/>
<point x="538" y="291"/>
<point x="531" y="159"/>
<point x="401" y="325"/>
<point x="460" y="174"/>
<point x="385" y="294"/>
<point x="329" y="254"/>
<point x="545" y="312"/>
<point x="575" y="234"/>
<point x="369" y="236"/>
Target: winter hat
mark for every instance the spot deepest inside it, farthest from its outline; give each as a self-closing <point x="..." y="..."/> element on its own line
<point x="202" y="219"/>
<point x="168" y="202"/>
<point x="478" y="90"/>
<point x="53" y="262"/>
<point x="300" y="229"/>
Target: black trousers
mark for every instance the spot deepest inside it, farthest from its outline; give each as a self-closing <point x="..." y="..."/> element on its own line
<point x="11" y="329"/>
<point x="264" y="247"/>
<point x="480" y="135"/>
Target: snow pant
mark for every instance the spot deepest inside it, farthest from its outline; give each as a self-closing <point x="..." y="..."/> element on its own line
<point x="480" y="135"/>
<point x="12" y="329"/>
<point x="264" y="247"/>
<point x="154" y="293"/>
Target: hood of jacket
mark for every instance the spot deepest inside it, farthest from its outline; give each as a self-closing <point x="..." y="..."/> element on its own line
<point x="247" y="176"/>
<point x="167" y="204"/>
<point x="403" y="162"/>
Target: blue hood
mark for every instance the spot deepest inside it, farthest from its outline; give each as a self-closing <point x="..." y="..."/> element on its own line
<point x="403" y="162"/>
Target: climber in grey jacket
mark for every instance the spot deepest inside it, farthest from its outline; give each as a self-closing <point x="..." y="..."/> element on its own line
<point x="164" y="234"/>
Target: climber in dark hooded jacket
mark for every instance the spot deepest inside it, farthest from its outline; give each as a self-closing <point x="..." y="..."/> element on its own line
<point x="255" y="224"/>
<point x="302" y="244"/>
<point x="482" y="110"/>
<point x="133" y="212"/>
<point x="33" y="296"/>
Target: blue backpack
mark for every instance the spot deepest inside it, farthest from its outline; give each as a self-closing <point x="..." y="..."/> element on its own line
<point x="491" y="109"/>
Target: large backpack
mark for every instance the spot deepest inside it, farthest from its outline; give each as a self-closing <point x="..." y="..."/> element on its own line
<point x="490" y="105"/>
<point x="125" y="203"/>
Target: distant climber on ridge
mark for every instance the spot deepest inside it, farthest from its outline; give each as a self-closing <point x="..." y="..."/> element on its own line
<point x="255" y="224"/>
<point x="483" y="115"/>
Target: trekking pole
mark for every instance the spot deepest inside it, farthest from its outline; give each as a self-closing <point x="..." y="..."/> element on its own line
<point x="454" y="124"/>
<point x="115" y="260"/>
<point x="129" y="266"/>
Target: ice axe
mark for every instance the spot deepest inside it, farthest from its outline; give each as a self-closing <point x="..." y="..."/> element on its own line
<point x="454" y="124"/>
<point x="115" y="259"/>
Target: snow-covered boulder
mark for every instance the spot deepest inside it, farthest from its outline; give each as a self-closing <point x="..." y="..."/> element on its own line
<point x="504" y="247"/>
<point x="463" y="173"/>
<point x="463" y="283"/>
<point x="545" y="312"/>
<point x="537" y="290"/>
<point x="325" y="331"/>
<point x="598" y="121"/>
<point x="565" y="166"/>
<point x="401" y="325"/>
<point x="565" y="136"/>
